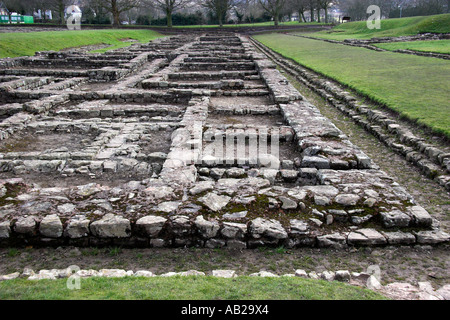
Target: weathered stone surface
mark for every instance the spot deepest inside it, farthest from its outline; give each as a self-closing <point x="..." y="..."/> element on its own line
<point x="202" y="186"/>
<point x="88" y="273"/>
<point x="224" y="273"/>
<point x="299" y="227"/>
<point x="342" y="275"/>
<point x="144" y="273"/>
<point x="366" y="237"/>
<point x="159" y="192"/>
<point x="235" y="215"/>
<point x="111" y="226"/>
<point x="372" y="283"/>
<point x="301" y="273"/>
<point x="420" y="216"/>
<point x="25" y="225"/>
<point x="288" y="204"/>
<point x="327" y="275"/>
<point x="395" y="218"/>
<point x="268" y="228"/>
<point x="233" y="230"/>
<point x="432" y="237"/>
<point x="10" y="276"/>
<point x="51" y="226"/>
<point x="168" y="206"/>
<point x="5" y="229"/>
<point x="399" y="237"/>
<point x="77" y="227"/>
<point x="66" y="208"/>
<point x="444" y="291"/>
<point x="334" y="240"/>
<point x="214" y="202"/>
<point x="151" y="225"/>
<point x="347" y="199"/>
<point x="207" y="229"/>
<point x="264" y="274"/>
<point x="114" y="273"/>
<point x="181" y="225"/>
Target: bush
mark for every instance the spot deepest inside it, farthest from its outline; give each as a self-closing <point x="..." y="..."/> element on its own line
<point x="143" y="20"/>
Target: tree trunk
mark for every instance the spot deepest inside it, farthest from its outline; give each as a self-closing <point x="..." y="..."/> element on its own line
<point x="115" y="13"/>
<point x="318" y="15"/>
<point x="169" y="18"/>
<point x="326" y="15"/>
<point x="312" y="13"/>
<point x="275" y="19"/>
<point x="61" y="11"/>
<point x="303" y="17"/>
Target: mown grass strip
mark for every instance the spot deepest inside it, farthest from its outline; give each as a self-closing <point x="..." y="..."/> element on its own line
<point x="389" y="28"/>
<point x="27" y="43"/>
<point x="415" y="87"/>
<point x="189" y="288"/>
<point x="437" y="46"/>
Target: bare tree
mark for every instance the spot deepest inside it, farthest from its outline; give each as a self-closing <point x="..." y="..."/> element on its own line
<point x="324" y="4"/>
<point x="273" y="7"/>
<point x="299" y="6"/>
<point x="219" y="7"/>
<point x="116" y="7"/>
<point x="312" y="5"/>
<point x="169" y="7"/>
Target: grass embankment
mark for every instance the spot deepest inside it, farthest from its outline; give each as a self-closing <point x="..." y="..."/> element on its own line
<point x="27" y="43"/>
<point x="437" y="46"/>
<point x="389" y="28"/>
<point x="186" y="288"/>
<point x="415" y="87"/>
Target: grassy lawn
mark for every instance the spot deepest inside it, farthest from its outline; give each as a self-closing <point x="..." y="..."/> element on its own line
<point x="416" y="87"/>
<point x="389" y="28"/>
<point x="190" y="288"/>
<point x="27" y="43"/>
<point x="438" y="46"/>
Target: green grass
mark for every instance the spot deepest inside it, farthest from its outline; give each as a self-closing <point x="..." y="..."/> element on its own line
<point x="27" y="43"/>
<point x="414" y="86"/>
<point x="389" y="28"/>
<point x="190" y="288"/>
<point x="438" y="46"/>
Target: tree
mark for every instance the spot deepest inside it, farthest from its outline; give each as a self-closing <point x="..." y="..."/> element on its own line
<point x="299" y="6"/>
<point x="116" y="7"/>
<point x="273" y="7"/>
<point x="324" y="4"/>
<point x="219" y="7"/>
<point x="169" y="7"/>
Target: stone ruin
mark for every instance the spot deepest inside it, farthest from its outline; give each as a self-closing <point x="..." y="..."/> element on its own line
<point x="118" y="149"/>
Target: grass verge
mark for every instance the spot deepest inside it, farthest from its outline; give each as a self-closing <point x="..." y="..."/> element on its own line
<point x="27" y="43"/>
<point x="437" y="46"/>
<point x="415" y="87"/>
<point x="185" y="288"/>
<point x="389" y="28"/>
